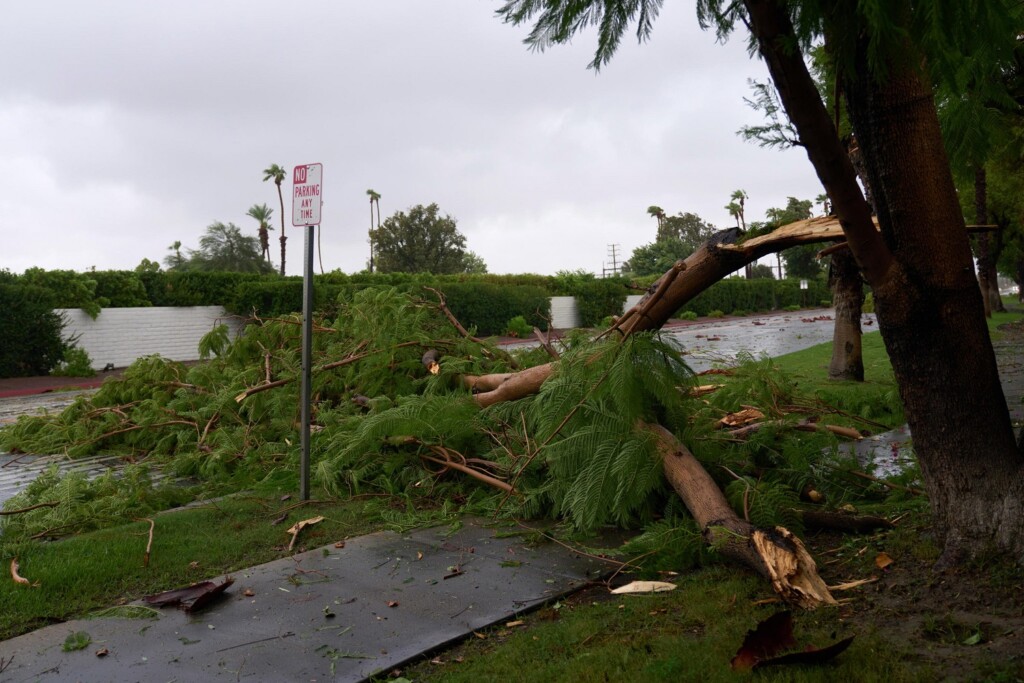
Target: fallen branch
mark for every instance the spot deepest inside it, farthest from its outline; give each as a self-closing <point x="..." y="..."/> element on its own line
<point x="51" y="504"/>
<point x="839" y="521"/>
<point x="442" y="305"/>
<point x="776" y="553"/>
<point x="448" y="463"/>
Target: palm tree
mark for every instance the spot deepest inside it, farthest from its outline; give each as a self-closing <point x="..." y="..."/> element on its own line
<point x="374" y="198"/>
<point x="657" y="212"/>
<point x="735" y="208"/>
<point x="262" y="214"/>
<point x="278" y="174"/>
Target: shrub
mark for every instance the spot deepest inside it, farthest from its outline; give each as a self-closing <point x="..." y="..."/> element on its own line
<point x="716" y="314"/>
<point x="740" y="312"/>
<point x="76" y="363"/>
<point x="120" y="289"/>
<point x="687" y="315"/>
<point x="31" y="331"/>
<point x="869" y="304"/>
<point x="791" y="308"/>
<point x="518" y="327"/>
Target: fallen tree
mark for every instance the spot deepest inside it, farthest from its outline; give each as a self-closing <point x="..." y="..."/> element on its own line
<point x="566" y="453"/>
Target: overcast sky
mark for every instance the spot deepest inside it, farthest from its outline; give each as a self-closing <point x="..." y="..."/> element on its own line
<point x="127" y="125"/>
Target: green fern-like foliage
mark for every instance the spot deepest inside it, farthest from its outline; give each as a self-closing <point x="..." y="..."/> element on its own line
<point x="598" y="465"/>
<point x="768" y="503"/>
<point x="672" y="544"/>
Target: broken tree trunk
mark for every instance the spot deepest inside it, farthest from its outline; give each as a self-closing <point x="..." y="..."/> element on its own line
<point x="776" y="553"/>
<point x="712" y="261"/>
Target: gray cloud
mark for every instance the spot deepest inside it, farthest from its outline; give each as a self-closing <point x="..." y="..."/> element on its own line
<point x="128" y="125"/>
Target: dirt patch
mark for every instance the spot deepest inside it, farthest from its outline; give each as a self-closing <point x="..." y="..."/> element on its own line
<point x="967" y="624"/>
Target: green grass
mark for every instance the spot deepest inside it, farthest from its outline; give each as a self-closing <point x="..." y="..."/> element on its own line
<point x="690" y="634"/>
<point x="91" y="571"/>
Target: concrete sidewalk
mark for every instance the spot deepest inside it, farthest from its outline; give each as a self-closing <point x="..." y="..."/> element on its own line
<point x="330" y="614"/>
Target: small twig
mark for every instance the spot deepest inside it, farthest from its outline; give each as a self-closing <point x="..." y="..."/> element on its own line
<point x="442" y="305"/>
<point x="51" y="504"/>
<point x="476" y="474"/>
<point x="134" y="428"/>
<point x="545" y="342"/>
<point x="149" y="544"/>
<point x="889" y="484"/>
<point x="253" y="642"/>
<point x="15" y="460"/>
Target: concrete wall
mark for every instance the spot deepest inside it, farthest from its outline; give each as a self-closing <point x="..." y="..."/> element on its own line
<point x="120" y="335"/>
<point x="564" y="312"/>
<point x="631" y="301"/>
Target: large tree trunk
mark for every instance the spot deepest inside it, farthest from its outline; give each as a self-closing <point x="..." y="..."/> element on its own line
<point x="932" y="318"/>
<point x="927" y="301"/>
<point x="848" y="298"/>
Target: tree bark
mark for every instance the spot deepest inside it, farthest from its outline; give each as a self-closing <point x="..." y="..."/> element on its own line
<point x="848" y="298"/>
<point x="932" y="320"/>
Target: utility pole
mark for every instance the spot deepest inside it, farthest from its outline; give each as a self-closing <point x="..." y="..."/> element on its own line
<point x="613" y="254"/>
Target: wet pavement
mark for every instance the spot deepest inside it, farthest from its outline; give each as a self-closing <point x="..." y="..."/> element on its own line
<point x="709" y="344"/>
<point x="330" y="614"/>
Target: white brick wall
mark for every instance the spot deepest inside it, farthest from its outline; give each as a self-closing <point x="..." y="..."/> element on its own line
<point x="120" y="335"/>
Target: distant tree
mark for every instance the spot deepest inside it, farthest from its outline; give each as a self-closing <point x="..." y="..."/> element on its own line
<point x="800" y="261"/>
<point x="147" y="266"/>
<point x="420" y="241"/>
<point x="225" y="248"/>
<point x="657" y="257"/>
<point x="678" y="237"/>
<point x="278" y="174"/>
<point x="262" y="213"/>
<point x="472" y="263"/>
<point x="762" y="272"/>
<point x="688" y="228"/>
<point x="175" y="261"/>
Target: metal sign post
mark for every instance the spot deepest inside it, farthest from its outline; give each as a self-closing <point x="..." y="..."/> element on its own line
<point x="306" y="212"/>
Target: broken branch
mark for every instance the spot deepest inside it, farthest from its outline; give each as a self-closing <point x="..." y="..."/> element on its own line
<point x="51" y="504"/>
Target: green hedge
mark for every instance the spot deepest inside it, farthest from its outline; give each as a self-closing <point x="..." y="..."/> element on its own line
<point x="598" y="299"/>
<point x="489" y="307"/>
<point x="195" y="288"/>
<point x="736" y="294"/>
<point x="31" y="331"/>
